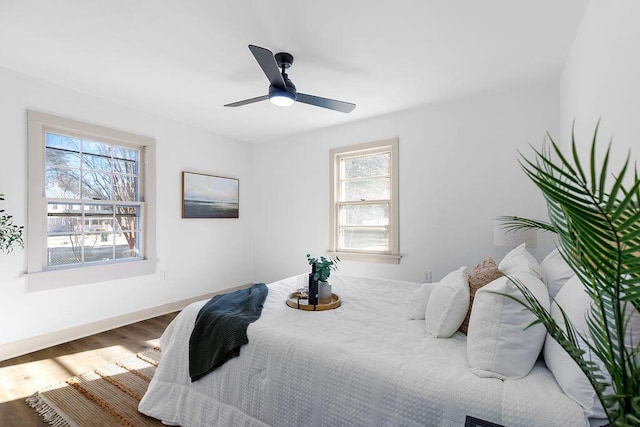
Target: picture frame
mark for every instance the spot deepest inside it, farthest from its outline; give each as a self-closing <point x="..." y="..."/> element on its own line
<point x="210" y="196"/>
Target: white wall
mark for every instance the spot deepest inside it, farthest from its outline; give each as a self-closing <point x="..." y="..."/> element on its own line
<point x="458" y="171"/>
<point x="601" y="78"/>
<point x="199" y="256"/>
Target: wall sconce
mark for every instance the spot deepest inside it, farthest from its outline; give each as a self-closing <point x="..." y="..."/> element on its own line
<point x="503" y="237"/>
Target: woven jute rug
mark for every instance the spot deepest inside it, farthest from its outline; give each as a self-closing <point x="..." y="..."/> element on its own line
<point x="108" y="396"/>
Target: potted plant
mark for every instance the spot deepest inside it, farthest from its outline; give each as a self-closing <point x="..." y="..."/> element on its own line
<point x="321" y="270"/>
<point x="10" y="234"/>
<point x="598" y="227"/>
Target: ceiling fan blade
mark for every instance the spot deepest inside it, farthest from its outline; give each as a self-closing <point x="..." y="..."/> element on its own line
<point x="248" y="101"/>
<point x="331" y="104"/>
<point x="268" y="64"/>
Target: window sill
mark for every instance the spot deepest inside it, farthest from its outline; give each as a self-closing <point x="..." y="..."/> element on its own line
<point x="55" y="279"/>
<point x="366" y="257"/>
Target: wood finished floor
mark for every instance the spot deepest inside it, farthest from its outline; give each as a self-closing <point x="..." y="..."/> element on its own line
<point x="24" y="375"/>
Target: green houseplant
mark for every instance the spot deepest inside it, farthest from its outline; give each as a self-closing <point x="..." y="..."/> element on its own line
<point x="10" y="234"/>
<point x="323" y="267"/>
<point x="596" y="216"/>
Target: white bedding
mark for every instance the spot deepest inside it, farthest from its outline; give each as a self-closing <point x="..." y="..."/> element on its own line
<point x="363" y="364"/>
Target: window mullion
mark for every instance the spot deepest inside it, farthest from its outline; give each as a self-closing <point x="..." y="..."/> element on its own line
<point x="365" y="226"/>
<point x="364" y="178"/>
<point x="363" y="202"/>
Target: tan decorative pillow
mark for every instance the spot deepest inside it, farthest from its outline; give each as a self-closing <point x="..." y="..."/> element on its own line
<point x="480" y="275"/>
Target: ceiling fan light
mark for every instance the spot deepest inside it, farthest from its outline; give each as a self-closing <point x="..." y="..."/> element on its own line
<point x="282" y="98"/>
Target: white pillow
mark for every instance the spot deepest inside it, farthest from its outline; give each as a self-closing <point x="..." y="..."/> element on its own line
<point x="418" y="304"/>
<point x="448" y="304"/>
<point x="556" y="272"/>
<point x="519" y="260"/>
<point x="574" y="383"/>
<point x="498" y="345"/>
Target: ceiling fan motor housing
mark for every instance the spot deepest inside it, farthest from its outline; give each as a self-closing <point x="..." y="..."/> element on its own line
<point x="283" y="59"/>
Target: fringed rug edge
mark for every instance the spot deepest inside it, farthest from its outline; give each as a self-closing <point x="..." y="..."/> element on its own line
<point x="48" y="411"/>
<point x="54" y="416"/>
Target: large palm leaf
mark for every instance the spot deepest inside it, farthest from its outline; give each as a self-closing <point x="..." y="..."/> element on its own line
<point x="597" y="220"/>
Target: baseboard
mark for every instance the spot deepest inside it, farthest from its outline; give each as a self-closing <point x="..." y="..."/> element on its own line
<point x="28" y="345"/>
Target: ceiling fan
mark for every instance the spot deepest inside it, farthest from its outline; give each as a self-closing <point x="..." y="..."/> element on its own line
<point x="282" y="91"/>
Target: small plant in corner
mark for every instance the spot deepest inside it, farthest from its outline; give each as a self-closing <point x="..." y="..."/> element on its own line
<point x="323" y="267"/>
<point x="10" y="234"/>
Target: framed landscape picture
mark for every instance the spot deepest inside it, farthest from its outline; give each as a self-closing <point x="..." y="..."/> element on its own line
<point x="208" y="196"/>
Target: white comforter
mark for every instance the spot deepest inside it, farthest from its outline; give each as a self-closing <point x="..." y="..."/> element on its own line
<point x="363" y="364"/>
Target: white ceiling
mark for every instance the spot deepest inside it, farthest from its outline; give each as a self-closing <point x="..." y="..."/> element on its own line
<point x="185" y="59"/>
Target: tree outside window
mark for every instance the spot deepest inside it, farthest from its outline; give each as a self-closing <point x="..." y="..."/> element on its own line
<point x="92" y="192"/>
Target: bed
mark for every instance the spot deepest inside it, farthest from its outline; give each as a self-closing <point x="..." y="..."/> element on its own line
<point x="362" y="364"/>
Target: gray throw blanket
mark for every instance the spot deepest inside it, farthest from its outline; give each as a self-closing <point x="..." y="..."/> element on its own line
<point x="221" y="328"/>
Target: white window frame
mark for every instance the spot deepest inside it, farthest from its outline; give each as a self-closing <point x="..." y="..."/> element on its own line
<point x="39" y="276"/>
<point x="392" y="256"/>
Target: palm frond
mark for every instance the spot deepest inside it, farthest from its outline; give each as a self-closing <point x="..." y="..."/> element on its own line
<point x="597" y="220"/>
<point x="567" y="337"/>
<point x="515" y="223"/>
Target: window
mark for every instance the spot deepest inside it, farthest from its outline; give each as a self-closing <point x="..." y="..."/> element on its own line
<point x="364" y="202"/>
<point x="91" y="213"/>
